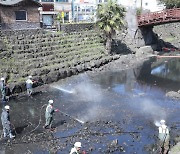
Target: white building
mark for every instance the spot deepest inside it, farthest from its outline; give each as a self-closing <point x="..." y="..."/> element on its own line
<point x="101" y="1"/>
<point x="51" y="8"/>
<point x="84" y="10"/>
<point x="152" y="5"/>
<point x="64" y="6"/>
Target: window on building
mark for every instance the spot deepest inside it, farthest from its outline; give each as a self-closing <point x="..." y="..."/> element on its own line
<point x="62" y="0"/>
<point x="146" y="4"/>
<point x="88" y="10"/>
<point x="100" y="1"/>
<point x="75" y="8"/>
<point x="21" y="15"/>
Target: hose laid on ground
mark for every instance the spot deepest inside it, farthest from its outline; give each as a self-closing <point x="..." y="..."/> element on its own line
<point x="40" y="119"/>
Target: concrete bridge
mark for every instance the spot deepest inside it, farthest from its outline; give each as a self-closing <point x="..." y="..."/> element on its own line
<point x="159" y="17"/>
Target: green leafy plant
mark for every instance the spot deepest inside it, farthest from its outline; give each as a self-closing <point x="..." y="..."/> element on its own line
<point x="110" y="17"/>
<point x="138" y="11"/>
<point x="170" y="3"/>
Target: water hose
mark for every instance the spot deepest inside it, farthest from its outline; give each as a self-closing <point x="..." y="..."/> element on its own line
<point x="80" y="121"/>
<point x="40" y="119"/>
<point x="39" y="82"/>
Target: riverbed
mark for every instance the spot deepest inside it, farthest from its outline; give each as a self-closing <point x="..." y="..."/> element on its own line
<point x="112" y="111"/>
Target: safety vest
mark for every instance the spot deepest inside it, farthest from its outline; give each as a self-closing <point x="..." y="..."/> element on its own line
<point x="163" y="129"/>
<point x="163" y="133"/>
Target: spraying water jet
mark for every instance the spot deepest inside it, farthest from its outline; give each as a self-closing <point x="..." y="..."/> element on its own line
<point x="64" y="90"/>
<point x="157" y="123"/>
<point x="78" y="120"/>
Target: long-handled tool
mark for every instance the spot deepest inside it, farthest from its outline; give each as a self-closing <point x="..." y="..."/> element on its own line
<point x="80" y="121"/>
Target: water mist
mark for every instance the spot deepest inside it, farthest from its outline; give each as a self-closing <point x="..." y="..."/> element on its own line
<point x="156" y="112"/>
<point x="91" y="94"/>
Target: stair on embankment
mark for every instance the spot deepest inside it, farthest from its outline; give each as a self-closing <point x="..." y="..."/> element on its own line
<point x="49" y="57"/>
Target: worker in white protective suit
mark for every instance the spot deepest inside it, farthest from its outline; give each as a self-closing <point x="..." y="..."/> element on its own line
<point x="164" y="137"/>
<point x="77" y="149"/>
<point x="29" y="85"/>
<point x="49" y="114"/>
<point x="5" y="119"/>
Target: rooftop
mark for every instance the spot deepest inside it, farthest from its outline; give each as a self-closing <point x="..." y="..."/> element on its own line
<point x="15" y="2"/>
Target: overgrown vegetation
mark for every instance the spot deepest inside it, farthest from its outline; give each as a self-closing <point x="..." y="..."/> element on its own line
<point x="138" y="11"/>
<point x="46" y="53"/>
<point x="171" y="3"/>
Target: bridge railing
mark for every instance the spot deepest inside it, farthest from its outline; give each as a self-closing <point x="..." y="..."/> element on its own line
<point x="159" y="17"/>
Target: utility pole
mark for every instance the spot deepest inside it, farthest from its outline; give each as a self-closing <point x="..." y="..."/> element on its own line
<point x="141" y="4"/>
<point x="73" y="10"/>
<point x="62" y="15"/>
<point x="78" y="6"/>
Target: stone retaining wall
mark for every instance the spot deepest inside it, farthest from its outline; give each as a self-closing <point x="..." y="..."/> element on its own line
<point x="49" y="57"/>
<point x="20" y="25"/>
<point x="77" y="27"/>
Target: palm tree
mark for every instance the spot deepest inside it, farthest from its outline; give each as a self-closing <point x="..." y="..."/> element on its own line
<point x="110" y="17"/>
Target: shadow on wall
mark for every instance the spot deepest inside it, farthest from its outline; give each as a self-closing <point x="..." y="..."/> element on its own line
<point x="163" y="44"/>
<point x="146" y="37"/>
<point x="120" y="48"/>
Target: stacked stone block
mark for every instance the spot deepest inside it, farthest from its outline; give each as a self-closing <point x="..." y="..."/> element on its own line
<point x="49" y="57"/>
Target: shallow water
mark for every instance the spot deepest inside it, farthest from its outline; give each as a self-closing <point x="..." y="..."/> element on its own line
<point x="119" y="98"/>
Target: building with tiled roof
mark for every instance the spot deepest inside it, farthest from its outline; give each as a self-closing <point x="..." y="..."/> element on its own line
<point x="19" y="14"/>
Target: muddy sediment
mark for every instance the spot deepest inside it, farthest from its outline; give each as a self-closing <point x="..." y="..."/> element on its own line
<point x="98" y="136"/>
<point x="102" y="136"/>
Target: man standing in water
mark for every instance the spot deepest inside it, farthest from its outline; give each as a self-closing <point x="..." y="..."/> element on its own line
<point x="164" y="137"/>
<point x="49" y="114"/>
<point x="5" y="119"/>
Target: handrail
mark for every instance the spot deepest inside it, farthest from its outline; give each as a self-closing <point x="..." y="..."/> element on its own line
<point x="159" y="17"/>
